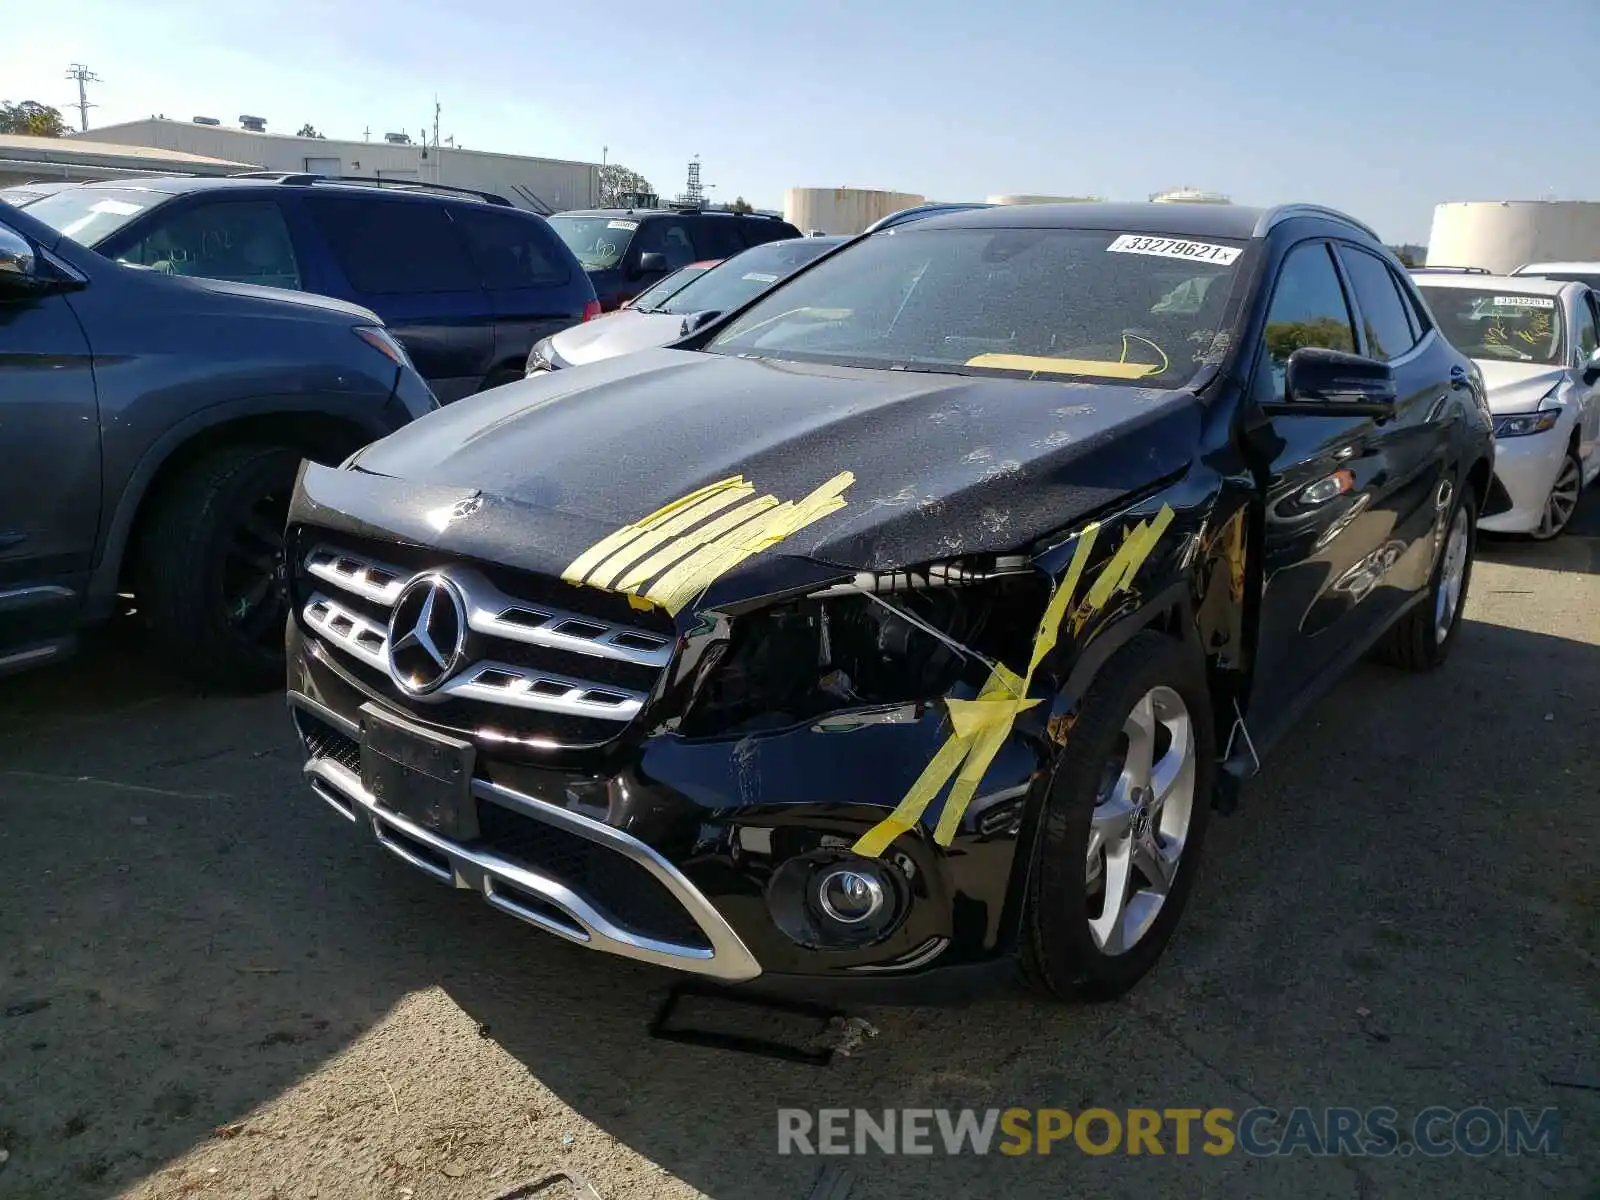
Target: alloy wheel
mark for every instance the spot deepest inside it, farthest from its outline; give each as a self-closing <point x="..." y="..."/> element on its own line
<point x="1452" y="577"/>
<point x="1562" y="500"/>
<point x="252" y="593"/>
<point x="1140" y="823"/>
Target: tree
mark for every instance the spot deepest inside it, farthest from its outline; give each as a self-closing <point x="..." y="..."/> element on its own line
<point x="618" y="185"/>
<point x="307" y="130"/>
<point x="31" y="118"/>
<point x="741" y="205"/>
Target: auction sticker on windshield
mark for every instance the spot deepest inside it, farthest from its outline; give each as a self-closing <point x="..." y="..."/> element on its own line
<point x="1174" y="248"/>
<point x="1524" y="302"/>
<point x="622" y="224"/>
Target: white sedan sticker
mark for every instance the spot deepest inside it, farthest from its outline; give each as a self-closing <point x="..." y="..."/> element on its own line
<point x="760" y="277"/>
<point x="1524" y="302"/>
<point x="622" y="224"/>
<point x="1174" y="248"/>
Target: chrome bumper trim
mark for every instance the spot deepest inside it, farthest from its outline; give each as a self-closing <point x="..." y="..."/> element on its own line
<point x="501" y="882"/>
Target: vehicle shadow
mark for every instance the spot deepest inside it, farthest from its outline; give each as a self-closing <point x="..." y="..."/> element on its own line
<point x="188" y="938"/>
<point x="1577" y="550"/>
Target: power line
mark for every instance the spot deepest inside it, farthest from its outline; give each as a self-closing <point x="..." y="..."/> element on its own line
<point x="84" y="76"/>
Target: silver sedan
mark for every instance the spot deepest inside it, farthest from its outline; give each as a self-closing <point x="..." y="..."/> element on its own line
<point x="1537" y="343"/>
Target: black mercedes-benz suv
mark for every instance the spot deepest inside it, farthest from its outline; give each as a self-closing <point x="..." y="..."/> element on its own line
<point x="908" y="622"/>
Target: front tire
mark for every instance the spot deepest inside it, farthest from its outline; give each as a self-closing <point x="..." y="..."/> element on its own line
<point x="1122" y="828"/>
<point x="1422" y="639"/>
<point x="207" y="584"/>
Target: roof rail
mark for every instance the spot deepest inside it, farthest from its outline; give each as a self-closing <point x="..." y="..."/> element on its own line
<point x="1284" y="212"/>
<point x="1431" y="269"/>
<point x="917" y="211"/>
<point x="307" y="179"/>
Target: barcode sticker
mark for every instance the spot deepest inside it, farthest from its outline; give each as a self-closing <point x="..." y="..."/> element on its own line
<point x="1174" y="248"/>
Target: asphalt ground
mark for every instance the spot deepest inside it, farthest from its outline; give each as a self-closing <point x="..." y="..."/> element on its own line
<point x="210" y="986"/>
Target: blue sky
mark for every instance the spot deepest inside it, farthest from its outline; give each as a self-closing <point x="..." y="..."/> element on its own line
<point x="1381" y="107"/>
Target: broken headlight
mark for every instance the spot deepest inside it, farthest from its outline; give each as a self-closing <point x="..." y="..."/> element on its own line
<point x="884" y="639"/>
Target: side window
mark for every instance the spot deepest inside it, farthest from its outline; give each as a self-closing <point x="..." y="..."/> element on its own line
<point x="667" y="237"/>
<point x="1383" y="309"/>
<point x="717" y="237"/>
<point x="243" y="241"/>
<point x="1308" y="309"/>
<point x="394" y="247"/>
<point x="511" y="251"/>
<point x="1588" y="328"/>
<point x="759" y="230"/>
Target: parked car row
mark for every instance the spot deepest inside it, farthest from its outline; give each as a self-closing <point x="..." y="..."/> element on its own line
<point x="881" y="613"/>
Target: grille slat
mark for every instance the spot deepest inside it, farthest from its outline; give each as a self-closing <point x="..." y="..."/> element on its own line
<point x="526" y="652"/>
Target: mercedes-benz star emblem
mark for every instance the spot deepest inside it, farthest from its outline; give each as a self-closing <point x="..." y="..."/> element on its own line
<point x="427" y="634"/>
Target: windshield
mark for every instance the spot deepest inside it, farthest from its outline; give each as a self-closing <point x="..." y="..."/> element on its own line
<point x="744" y="277"/>
<point x="646" y="300"/>
<point x="90" y="215"/>
<point x="1496" y="324"/>
<point x="599" y="242"/>
<point x="1045" y="302"/>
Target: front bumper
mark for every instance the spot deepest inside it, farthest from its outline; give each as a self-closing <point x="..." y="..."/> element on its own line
<point x="662" y="850"/>
<point x="526" y="892"/>
<point x="1526" y="467"/>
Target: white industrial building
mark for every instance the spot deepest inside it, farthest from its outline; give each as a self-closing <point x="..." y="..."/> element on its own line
<point x="542" y="184"/>
<point x="1502" y="235"/>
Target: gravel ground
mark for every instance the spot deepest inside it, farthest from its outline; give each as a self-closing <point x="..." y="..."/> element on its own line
<point x="210" y="987"/>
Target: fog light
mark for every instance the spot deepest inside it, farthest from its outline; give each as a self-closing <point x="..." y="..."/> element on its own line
<point x="850" y="897"/>
<point x="831" y="900"/>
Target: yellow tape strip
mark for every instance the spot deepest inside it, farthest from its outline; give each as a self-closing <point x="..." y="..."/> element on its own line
<point x="611" y="543"/>
<point x="692" y="551"/>
<point x="694" y="574"/>
<point x="979" y="727"/>
<point x="1041" y="365"/>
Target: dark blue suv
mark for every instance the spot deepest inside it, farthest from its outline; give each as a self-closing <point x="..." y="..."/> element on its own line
<point x="465" y="281"/>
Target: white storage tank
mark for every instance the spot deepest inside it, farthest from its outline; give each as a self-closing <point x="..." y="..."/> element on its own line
<point x="1030" y="198"/>
<point x="1502" y="235"/>
<point x="842" y="210"/>
<point x="1189" y="196"/>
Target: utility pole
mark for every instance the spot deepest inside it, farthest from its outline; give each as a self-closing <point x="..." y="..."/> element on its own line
<point x="84" y="76"/>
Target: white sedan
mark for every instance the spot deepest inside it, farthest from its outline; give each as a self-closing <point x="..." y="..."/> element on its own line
<point x="1537" y="342"/>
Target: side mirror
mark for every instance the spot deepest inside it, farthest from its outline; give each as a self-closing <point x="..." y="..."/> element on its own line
<point x="19" y="265"/>
<point x="695" y="322"/>
<point x="652" y="261"/>
<point x="1331" y="383"/>
<point x="1591" y="369"/>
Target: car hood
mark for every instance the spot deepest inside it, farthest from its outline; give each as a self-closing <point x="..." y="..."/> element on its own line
<point x="615" y="333"/>
<point x="939" y="465"/>
<point x="1518" y="387"/>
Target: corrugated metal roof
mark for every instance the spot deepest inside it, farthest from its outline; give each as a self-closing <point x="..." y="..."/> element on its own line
<point x="44" y="149"/>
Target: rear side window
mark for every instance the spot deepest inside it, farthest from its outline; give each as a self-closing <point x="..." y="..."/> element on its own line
<point x="242" y="241"/>
<point x="512" y="251"/>
<point x="395" y="247"/>
<point x="1384" y="314"/>
<point x="717" y="237"/>
<point x="758" y="230"/>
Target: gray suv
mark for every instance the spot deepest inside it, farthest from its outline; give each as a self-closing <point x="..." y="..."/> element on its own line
<point x="151" y="430"/>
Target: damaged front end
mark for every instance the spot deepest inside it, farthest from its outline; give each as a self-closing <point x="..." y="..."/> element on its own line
<point x="805" y="776"/>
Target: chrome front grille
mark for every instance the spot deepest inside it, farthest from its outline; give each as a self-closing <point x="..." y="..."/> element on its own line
<point x="527" y="654"/>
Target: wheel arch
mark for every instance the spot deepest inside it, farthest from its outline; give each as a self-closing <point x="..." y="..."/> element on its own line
<point x="313" y="432"/>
